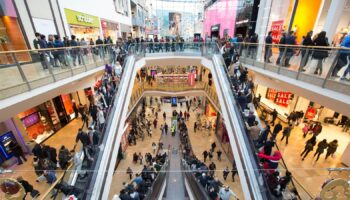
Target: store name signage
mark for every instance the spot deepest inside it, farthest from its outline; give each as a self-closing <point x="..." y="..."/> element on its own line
<point x="86" y="19"/>
<point x="243" y="21"/>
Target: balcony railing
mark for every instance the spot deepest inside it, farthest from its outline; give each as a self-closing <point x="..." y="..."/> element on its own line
<point x="25" y="70"/>
<point x="318" y="65"/>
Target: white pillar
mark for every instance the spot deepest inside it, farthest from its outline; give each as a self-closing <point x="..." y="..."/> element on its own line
<point x="260" y="15"/>
<point x="333" y="17"/>
<point x="262" y="25"/>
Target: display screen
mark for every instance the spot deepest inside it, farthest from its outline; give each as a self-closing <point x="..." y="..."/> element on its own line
<point x="5" y="141"/>
<point x="173" y="101"/>
<point x="31" y="119"/>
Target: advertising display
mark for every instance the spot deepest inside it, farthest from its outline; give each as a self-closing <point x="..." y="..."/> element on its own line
<point x="151" y="26"/>
<point x="174" y="23"/>
<point x="276" y="28"/>
<point x="222" y="12"/>
<point x="5" y="141"/>
<point x="174" y="101"/>
<point x="280" y="98"/>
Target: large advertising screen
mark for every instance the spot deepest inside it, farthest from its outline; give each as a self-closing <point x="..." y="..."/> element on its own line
<point x="174" y="23"/>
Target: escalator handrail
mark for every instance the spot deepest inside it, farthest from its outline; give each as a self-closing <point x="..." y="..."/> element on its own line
<point x="156" y="188"/>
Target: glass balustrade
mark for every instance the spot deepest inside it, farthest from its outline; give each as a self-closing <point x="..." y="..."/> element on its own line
<point x="25" y="70"/>
<point x="326" y="67"/>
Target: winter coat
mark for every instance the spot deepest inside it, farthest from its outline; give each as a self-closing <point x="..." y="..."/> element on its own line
<point x="332" y="147"/>
<point x="318" y="52"/>
<point x="321" y="146"/>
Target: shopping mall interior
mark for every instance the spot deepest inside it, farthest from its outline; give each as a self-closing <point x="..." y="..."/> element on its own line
<point x="175" y="99"/>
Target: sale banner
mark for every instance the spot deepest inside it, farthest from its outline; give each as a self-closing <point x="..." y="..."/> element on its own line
<point x="276" y="28"/>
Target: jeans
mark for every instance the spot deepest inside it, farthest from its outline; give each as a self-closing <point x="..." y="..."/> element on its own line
<point x="347" y="71"/>
<point x="319" y="66"/>
<point x="341" y="62"/>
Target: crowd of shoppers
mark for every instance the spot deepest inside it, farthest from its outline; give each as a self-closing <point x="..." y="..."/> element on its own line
<point x="55" y="56"/>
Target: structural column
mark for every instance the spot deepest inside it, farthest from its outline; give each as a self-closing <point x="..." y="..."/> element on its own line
<point x="262" y="24"/>
<point x="333" y="17"/>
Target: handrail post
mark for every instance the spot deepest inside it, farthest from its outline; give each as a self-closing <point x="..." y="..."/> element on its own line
<point x="282" y="60"/>
<point x="82" y="59"/>
<point x="331" y="69"/>
<point x="303" y="62"/>
<point x="23" y="76"/>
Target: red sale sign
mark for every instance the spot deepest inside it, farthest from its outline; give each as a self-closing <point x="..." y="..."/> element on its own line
<point x="276" y="28"/>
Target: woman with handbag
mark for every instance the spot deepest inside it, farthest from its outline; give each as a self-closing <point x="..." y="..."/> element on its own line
<point x="320" y="53"/>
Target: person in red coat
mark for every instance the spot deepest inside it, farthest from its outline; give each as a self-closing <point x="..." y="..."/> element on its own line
<point x="271" y="163"/>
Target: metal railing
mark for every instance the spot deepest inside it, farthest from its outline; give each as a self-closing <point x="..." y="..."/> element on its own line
<point x="326" y="67"/>
<point x="25" y="70"/>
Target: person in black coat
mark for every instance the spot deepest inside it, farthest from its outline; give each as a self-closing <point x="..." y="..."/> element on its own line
<point x="274" y="115"/>
<point x="320" y="53"/>
<point x="307" y="41"/>
<point x="28" y="188"/>
<point x="53" y="155"/>
<point x="309" y="147"/>
<point x="93" y="112"/>
<point x="17" y="152"/>
<point x="268" y="47"/>
<point x="276" y="129"/>
<point x="37" y="151"/>
<point x="281" y="48"/>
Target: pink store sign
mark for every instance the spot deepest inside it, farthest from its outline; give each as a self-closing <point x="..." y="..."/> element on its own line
<point x="222" y="12"/>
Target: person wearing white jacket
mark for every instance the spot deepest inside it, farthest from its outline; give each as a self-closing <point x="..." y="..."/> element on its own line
<point x="100" y="118"/>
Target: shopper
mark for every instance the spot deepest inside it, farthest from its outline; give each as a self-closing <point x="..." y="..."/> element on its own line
<point x="274" y="115"/>
<point x="320" y="53"/>
<point x="234" y="171"/>
<point x="140" y="158"/>
<point x="129" y="172"/>
<point x="284" y="181"/>
<point x="254" y="130"/>
<point x="225" y="173"/>
<point x="286" y="132"/>
<point x="213" y="146"/>
<point x="306" y="50"/>
<point x="75" y="52"/>
<point x="290" y="41"/>
<point x="195" y="126"/>
<point x="332" y="148"/>
<point x="154" y="147"/>
<point x="17" y="152"/>
<point x="212" y="168"/>
<point x="276" y="130"/>
<point x="210" y="155"/>
<point x="155" y="123"/>
<point x="320" y="148"/>
<point x="305" y="129"/>
<point x="28" y="188"/>
<point x="343" y="59"/>
<point x="64" y="157"/>
<point x="219" y="152"/>
<point x="281" y="48"/>
<point x="317" y="129"/>
<point x="205" y="155"/>
<point x="263" y="136"/>
<point x="268" y="47"/>
<point x="309" y="147"/>
<point x="100" y="118"/>
<point x="225" y="193"/>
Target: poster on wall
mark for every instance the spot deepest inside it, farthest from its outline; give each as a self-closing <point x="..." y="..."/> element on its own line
<point x="278" y="97"/>
<point x="121" y="6"/>
<point x="277" y="29"/>
<point x="174" y="23"/>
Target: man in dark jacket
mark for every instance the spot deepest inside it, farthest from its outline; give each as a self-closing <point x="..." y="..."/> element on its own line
<point x="37" y="151"/>
<point x="60" y="53"/>
<point x="290" y="40"/>
<point x="281" y="48"/>
<point x="268" y="47"/>
<point x="276" y="130"/>
<point x="17" y="152"/>
<point x="305" y="53"/>
<point x="75" y="52"/>
<point x="93" y="112"/>
<point x="274" y="115"/>
<point x="28" y="188"/>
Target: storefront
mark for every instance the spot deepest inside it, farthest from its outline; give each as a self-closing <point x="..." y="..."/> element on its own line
<point x="11" y="36"/>
<point x="110" y="29"/>
<point x="223" y="138"/>
<point x="125" y="31"/>
<point x="40" y="122"/>
<point x="44" y="120"/>
<point x="83" y="25"/>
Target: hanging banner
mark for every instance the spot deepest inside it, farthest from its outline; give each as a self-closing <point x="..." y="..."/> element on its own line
<point x="276" y="28"/>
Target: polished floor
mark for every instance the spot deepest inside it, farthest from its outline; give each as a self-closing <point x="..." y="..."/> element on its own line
<point x="310" y="175"/>
<point x="65" y="136"/>
<point x="200" y="141"/>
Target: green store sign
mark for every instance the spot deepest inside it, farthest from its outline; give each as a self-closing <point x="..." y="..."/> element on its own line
<point x="78" y="18"/>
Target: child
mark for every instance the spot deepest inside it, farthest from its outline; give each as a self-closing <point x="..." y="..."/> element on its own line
<point x="305" y="129"/>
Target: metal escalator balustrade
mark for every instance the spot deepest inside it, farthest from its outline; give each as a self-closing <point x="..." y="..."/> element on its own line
<point x="300" y="63"/>
<point x="25" y="70"/>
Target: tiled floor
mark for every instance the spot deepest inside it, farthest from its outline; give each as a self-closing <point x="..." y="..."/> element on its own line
<point x="308" y="173"/>
<point x="65" y="136"/>
<point x="200" y="142"/>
